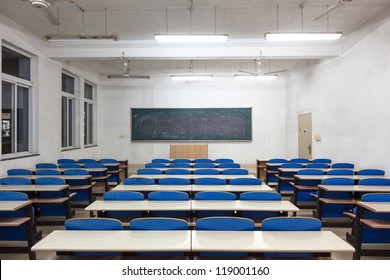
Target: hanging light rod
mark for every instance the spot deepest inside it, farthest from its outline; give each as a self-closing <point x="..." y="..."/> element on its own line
<point x="164" y="38"/>
<point x="303" y="36"/>
<point x="190" y="78"/>
<point x="81" y="38"/>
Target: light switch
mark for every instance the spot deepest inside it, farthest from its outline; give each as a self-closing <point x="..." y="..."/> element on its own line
<point x="317" y="137"/>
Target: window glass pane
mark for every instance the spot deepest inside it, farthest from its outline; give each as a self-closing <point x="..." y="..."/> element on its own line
<point x="90" y="124"/>
<point x="70" y="122"/>
<point x="64" y="122"/>
<point x="7" y="118"/>
<point x="88" y="91"/>
<point x="67" y="83"/>
<point x="15" y="64"/>
<point x="85" y="123"/>
<point x="22" y="118"/>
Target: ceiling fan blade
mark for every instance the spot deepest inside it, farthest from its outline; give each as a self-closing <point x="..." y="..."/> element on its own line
<point x="274" y="72"/>
<point x="330" y="9"/>
<point x="52" y="17"/>
<point x="246" y="72"/>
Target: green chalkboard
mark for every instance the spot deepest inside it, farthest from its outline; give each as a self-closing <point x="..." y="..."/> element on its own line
<point x="197" y="124"/>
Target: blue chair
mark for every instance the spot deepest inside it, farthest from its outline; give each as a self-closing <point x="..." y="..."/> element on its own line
<point x="178" y="171"/>
<point x="16" y="172"/>
<point x="373" y="182"/>
<point x="138" y="181"/>
<point x="317" y="165"/>
<point x="203" y="160"/>
<point x="69" y="165"/>
<point x="343" y="165"/>
<point x="113" y="169"/>
<point x="174" y="181"/>
<point x="340" y="172"/>
<point x="229" y="165"/>
<point x="86" y="160"/>
<point x="179" y="165"/>
<point x="225" y="224"/>
<point x="181" y="160"/>
<point x="15" y="181"/>
<point x="223" y="160"/>
<point x="206" y="171"/>
<point x="322" y="160"/>
<point x="155" y="165"/>
<point x="107" y="160"/>
<point x="371" y="172"/>
<point x="260" y="196"/>
<point x="169" y="195"/>
<point x="235" y="171"/>
<point x="272" y="170"/>
<point x="82" y="188"/>
<point x="48" y="172"/>
<point x="204" y="165"/>
<point x="46" y="165"/>
<point x="290" y="224"/>
<point x="149" y="171"/>
<point x="123" y="216"/>
<point x="214" y="196"/>
<point x="52" y="209"/>
<point x="210" y="181"/>
<point x="278" y="160"/>
<point x="160" y="160"/>
<point x="303" y="197"/>
<point x="65" y="160"/>
<point x="100" y="175"/>
<point x="287" y="177"/>
<point x="299" y="160"/>
<point x="245" y="181"/>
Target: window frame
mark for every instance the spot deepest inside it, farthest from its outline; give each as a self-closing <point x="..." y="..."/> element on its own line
<point x="86" y="120"/>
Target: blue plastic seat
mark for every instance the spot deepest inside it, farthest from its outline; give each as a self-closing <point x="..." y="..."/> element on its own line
<point x="299" y="160"/>
<point x="214" y="196"/>
<point x="181" y="160"/>
<point x="375" y="182"/>
<point x="155" y="165"/>
<point x="82" y="195"/>
<point x="51" y="209"/>
<point x="270" y="176"/>
<point x="16" y="172"/>
<point x="340" y="172"/>
<point x="48" y="172"/>
<point x="235" y="171"/>
<point x="224" y="160"/>
<point x="160" y="160"/>
<point x="107" y="160"/>
<point x="262" y="196"/>
<point x="343" y="165"/>
<point x="86" y="160"/>
<point x="174" y="181"/>
<point x="46" y="165"/>
<point x="65" y="160"/>
<point x="15" y="181"/>
<point x="178" y="171"/>
<point x="304" y="196"/>
<point x="180" y="165"/>
<point x="123" y="196"/>
<point x="204" y="165"/>
<point x="210" y="181"/>
<point x="287" y="177"/>
<point x="203" y="160"/>
<point x="149" y="171"/>
<point x="138" y="181"/>
<point x="317" y="165"/>
<point x="245" y="181"/>
<point x="371" y="172"/>
<point x="229" y="165"/>
<point x="322" y="160"/>
<point x="69" y="165"/>
<point x="206" y="171"/>
<point x="169" y="195"/>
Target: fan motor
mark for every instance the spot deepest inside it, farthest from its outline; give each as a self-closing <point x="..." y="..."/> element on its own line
<point x="41" y="4"/>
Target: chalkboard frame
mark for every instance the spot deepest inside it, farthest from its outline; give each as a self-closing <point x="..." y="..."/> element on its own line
<point x="249" y="139"/>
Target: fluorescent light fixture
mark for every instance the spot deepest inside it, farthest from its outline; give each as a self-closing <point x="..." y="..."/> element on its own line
<point x="191" y="38"/>
<point x="81" y="38"/>
<point x="303" y="36"/>
<point x="189" y="78"/>
<point x="244" y="77"/>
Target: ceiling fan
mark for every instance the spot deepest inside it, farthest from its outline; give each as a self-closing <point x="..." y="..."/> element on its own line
<point x="333" y="7"/>
<point x="126" y="71"/>
<point x="258" y="72"/>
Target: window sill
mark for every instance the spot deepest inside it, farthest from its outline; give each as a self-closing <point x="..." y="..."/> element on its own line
<point x="18" y="157"/>
<point x="70" y="149"/>
<point x="90" y="146"/>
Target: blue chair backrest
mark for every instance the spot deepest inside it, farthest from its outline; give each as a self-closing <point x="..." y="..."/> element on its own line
<point x="174" y="181"/>
<point x="14" y="172"/>
<point x="168" y="196"/>
<point x="49" y="181"/>
<point x="310" y="172"/>
<point x="215" y="196"/>
<point x="177" y="171"/>
<point x="160" y="160"/>
<point x="66" y="160"/>
<point x="52" y="172"/>
<point x="149" y="171"/>
<point x="210" y="181"/>
<point x="204" y="165"/>
<point x="235" y="171"/>
<point x="93" y="224"/>
<point x="155" y="165"/>
<point x="180" y="165"/>
<point x="123" y="196"/>
<point x="291" y="224"/>
<point x="181" y="160"/>
<point x="224" y="160"/>
<point x="225" y="223"/>
<point x="343" y="165"/>
<point x="15" y="181"/>
<point x="138" y="181"/>
<point x="107" y="160"/>
<point x="229" y="165"/>
<point x="321" y="160"/>
<point x="374" y="172"/>
<point x="375" y="182"/>
<point x="158" y="224"/>
<point x="277" y="160"/>
<point x="317" y="165"/>
<point x="206" y="171"/>
<point x="75" y="172"/>
<point x="245" y="181"/>
<point x="13" y="196"/>
<point x="86" y="160"/>
<point x="291" y="165"/>
<point x="46" y="165"/>
<point x="335" y="172"/>
<point x="69" y="165"/>
<point x="338" y="181"/>
<point x="93" y="165"/>
<point x="376" y="197"/>
<point x="299" y="160"/>
<point x="203" y="160"/>
<point x="260" y="196"/>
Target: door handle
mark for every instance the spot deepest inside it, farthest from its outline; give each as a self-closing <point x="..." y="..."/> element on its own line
<point x="309" y="147"/>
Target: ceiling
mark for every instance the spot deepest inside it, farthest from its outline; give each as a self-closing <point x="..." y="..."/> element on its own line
<point x="137" y="21"/>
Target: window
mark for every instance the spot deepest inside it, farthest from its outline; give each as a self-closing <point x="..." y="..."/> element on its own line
<point x="16" y="101"/>
<point x="88" y="114"/>
<point x="68" y="112"/>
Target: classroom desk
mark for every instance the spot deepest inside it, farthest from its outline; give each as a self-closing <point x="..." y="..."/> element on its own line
<point x="61" y="170"/>
<point x="192" y="170"/>
<point x="32" y="234"/>
<point x="191" y="164"/>
<point x="268" y="241"/>
<point x="67" y="178"/>
<point x="190" y="177"/>
<point x="116" y="241"/>
<point x="152" y="188"/>
<point x="231" y="188"/>
<point x="357" y="178"/>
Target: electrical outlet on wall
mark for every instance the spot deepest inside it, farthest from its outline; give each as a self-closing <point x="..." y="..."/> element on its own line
<point x="124" y="135"/>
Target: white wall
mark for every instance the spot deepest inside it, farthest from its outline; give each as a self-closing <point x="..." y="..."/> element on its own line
<point x="349" y="98"/>
<point x="266" y="98"/>
<point x="47" y="123"/>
